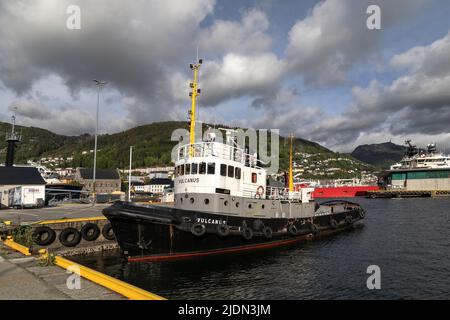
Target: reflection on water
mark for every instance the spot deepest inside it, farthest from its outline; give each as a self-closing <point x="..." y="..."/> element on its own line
<point x="408" y="239"/>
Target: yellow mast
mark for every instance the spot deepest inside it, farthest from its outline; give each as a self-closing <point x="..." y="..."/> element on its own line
<point x="193" y="94"/>
<point x="291" y="176"/>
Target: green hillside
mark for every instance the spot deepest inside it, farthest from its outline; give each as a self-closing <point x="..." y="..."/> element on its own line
<point x="35" y="142"/>
<point x="151" y="147"/>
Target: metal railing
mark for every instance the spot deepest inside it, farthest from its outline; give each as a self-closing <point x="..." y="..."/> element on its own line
<point x="219" y="150"/>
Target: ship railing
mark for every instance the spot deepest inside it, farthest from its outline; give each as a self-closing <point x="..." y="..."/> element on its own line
<point x="281" y="193"/>
<point x="219" y="150"/>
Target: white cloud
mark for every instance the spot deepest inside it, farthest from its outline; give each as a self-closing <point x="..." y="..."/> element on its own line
<point x="243" y="37"/>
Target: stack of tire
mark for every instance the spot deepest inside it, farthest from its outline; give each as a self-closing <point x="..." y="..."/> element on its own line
<point x="70" y="237"/>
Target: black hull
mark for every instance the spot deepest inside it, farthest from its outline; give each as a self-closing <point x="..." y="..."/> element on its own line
<point x="164" y="233"/>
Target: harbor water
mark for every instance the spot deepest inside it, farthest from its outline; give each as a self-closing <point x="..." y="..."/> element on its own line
<point x="408" y="239"/>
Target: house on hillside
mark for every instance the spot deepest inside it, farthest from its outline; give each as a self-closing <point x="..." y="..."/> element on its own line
<point x="106" y="180"/>
<point x="21" y="187"/>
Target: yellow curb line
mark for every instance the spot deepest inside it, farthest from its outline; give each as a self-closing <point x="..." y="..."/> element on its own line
<point x="70" y="220"/>
<point x="121" y="287"/>
<point x="116" y="285"/>
<point x="18" y="247"/>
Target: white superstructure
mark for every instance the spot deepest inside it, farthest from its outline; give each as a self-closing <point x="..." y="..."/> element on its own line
<point x="423" y="160"/>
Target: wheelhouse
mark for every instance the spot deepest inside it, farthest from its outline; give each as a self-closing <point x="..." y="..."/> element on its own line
<point x="213" y="167"/>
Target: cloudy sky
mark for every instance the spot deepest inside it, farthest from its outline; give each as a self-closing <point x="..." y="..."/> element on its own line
<point x="308" y="67"/>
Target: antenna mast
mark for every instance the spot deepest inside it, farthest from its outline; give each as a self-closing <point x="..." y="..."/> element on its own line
<point x="193" y="94"/>
<point x="291" y="177"/>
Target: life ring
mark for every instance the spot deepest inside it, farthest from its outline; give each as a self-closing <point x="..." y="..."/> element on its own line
<point x="293" y="231"/>
<point x="247" y="233"/>
<point x="198" y="229"/>
<point x="90" y="232"/>
<point x="107" y="232"/>
<point x="260" y="191"/>
<point x="362" y="213"/>
<point x="267" y="232"/>
<point x="349" y="219"/>
<point x="333" y="223"/>
<point x="223" y="230"/>
<point x="44" y="235"/>
<point x="70" y="237"/>
<point x="314" y="228"/>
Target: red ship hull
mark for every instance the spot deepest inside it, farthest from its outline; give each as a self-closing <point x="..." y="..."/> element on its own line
<point x="343" y="192"/>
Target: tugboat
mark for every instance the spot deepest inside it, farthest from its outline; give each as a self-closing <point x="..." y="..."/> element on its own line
<point x="223" y="204"/>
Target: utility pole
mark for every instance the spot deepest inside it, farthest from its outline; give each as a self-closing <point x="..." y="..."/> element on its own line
<point x="129" y="175"/>
<point x="100" y="85"/>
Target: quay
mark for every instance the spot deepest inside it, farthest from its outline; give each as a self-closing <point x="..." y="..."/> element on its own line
<point x="64" y="211"/>
<point x="24" y="276"/>
<point x="407" y="194"/>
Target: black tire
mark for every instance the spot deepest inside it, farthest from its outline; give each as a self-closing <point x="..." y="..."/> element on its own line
<point x="314" y="228"/>
<point x="90" y="232"/>
<point x="267" y="232"/>
<point x="223" y="230"/>
<point x="348" y="219"/>
<point x="44" y="236"/>
<point x="70" y="237"/>
<point x="198" y="229"/>
<point x="247" y="233"/>
<point x="258" y="225"/>
<point x="107" y="232"/>
<point x="362" y="213"/>
<point x="333" y="223"/>
<point x="293" y="231"/>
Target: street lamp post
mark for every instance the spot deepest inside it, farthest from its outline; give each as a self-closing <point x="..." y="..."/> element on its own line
<point x="100" y="85"/>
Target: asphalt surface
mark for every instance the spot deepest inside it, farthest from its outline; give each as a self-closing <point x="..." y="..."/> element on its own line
<point x="62" y="211"/>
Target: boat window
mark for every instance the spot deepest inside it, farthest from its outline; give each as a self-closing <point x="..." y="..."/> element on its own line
<point x="237" y="173"/>
<point x="254" y="177"/>
<point x="231" y="171"/>
<point x="211" y="168"/>
<point x="223" y="170"/>
<point x="202" y="168"/>
<point x="182" y="169"/>
<point x="188" y="168"/>
<point x="194" y="168"/>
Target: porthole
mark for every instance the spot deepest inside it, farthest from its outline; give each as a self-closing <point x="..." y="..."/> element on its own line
<point x="263" y="206"/>
<point x="225" y="203"/>
<point x="249" y="205"/>
<point x="186" y="196"/>
<point x="181" y="200"/>
<point x="237" y="204"/>
<point x="192" y="200"/>
<point x="206" y="201"/>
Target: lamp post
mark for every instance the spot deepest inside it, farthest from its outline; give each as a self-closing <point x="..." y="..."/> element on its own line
<point x="100" y="85"/>
<point x="129" y="174"/>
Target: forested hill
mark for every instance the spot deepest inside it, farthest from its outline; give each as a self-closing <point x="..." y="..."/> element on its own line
<point x="151" y="147"/>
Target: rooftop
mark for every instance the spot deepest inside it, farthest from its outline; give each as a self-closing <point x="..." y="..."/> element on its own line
<point x="100" y="174"/>
<point x="20" y="176"/>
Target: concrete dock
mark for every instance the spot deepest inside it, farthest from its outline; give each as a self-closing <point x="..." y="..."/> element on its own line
<point x="24" y="278"/>
<point x="60" y="212"/>
<point x="400" y="193"/>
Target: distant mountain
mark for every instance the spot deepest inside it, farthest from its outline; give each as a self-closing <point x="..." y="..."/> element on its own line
<point x="152" y="146"/>
<point x="381" y="155"/>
